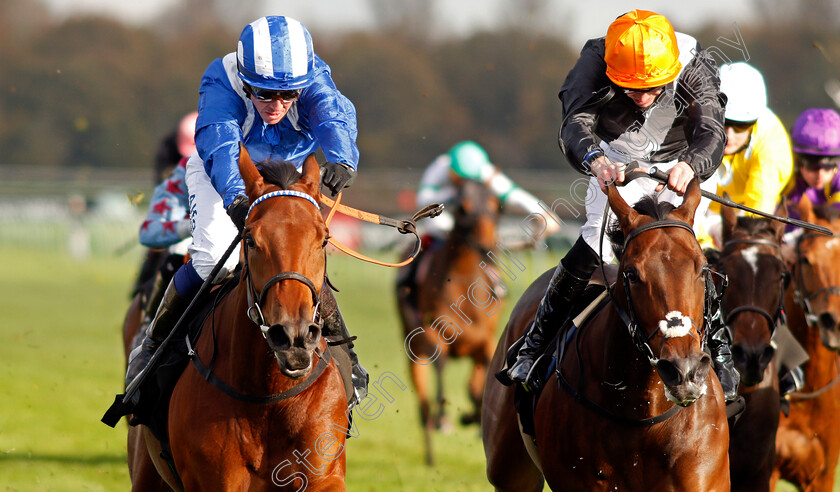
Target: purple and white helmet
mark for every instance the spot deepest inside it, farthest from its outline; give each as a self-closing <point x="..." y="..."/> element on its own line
<point x="275" y="53"/>
<point x="817" y="132"/>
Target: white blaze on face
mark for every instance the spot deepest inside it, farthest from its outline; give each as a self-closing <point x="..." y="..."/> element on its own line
<point x="751" y="257"/>
<point x="832" y="244"/>
<point x="675" y="325"/>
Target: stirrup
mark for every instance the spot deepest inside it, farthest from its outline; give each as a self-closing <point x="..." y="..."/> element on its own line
<point x="533" y="381"/>
<point x="360" y="379"/>
<point x="734" y="410"/>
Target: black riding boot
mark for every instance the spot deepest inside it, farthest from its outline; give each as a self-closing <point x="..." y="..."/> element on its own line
<point x="170" y="309"/>
<point x="720" y="346"/>
<point x="569" y="280"/>
<point x="334" y="326"/>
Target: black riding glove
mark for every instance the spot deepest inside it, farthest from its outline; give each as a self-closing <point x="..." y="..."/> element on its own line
<point x="238" y="211"/>
<point x="335" y="177"/>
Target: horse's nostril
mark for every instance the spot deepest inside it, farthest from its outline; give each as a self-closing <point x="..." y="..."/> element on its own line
<point x="668" y="372"/>
<point x="278" y="337"/>
<point x="314" y="333"/>
<point x="827" y="321"/>
<point x="766" y="355"/>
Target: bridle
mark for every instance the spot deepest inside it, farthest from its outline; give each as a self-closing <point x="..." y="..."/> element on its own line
<point x="779" y="314"/>
<point x="811" y="319"/>
<point x="799" y="292"/>
<point x="255" y="314"/>
<point x="255" y="299"/>
<point x="641" y="340"/>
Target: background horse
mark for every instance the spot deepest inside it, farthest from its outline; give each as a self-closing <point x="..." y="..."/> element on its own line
<point x="454" y="310"/>
<point x="223" y="443"/>
<point x="808" y="442"/>
<point x="141" y="468"/>
<point x="601" y="441"/>
<point x="752" y="259"/>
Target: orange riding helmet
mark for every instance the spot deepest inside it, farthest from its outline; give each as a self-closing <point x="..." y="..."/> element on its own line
<point x="641" y="51"/>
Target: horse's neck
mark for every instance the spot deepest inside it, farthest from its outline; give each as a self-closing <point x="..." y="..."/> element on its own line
<point x="457" y="250"/>
<point x="623" y="371"/>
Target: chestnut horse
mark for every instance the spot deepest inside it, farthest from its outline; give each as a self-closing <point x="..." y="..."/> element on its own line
<point x="454" y="311"/>
<point x="277" y="442"/>
<point x="808" y="442"/>
<point x="751" y="307"/>
<point x="639" y="408"/>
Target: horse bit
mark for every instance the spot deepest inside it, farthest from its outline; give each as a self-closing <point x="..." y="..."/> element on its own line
<point x="800" y="293"/>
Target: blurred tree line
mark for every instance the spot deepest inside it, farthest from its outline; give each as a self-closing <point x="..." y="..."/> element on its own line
<point x="90" y="91"/>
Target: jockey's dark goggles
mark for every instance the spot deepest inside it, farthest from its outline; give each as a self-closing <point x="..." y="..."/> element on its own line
<point x="739" y="126"/>
<point x="264" y="95"/>
<point x="819" y="164"/>
<point x="644" y="91"/>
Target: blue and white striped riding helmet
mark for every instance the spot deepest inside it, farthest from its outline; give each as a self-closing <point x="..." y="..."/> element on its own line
<point x="275" y="53"/>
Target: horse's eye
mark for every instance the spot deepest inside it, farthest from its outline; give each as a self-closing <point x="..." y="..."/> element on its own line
<point x="632" y="276"/>
<point x="249" y="242"/>
<point x="326" y="241"/>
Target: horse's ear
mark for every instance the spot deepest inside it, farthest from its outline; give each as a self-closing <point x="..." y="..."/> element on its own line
<point x="778" y="226"/>
<point x="254" y="183"/>
<point x="806" y="209"/>
<point x="627" y="217"/>
<point x="729" y="220"/>
<point x="311" y="178"/>
<point x="691" y="200"/>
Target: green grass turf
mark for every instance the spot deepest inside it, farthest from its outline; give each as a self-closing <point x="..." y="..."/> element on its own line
<point x="61" y="364"/>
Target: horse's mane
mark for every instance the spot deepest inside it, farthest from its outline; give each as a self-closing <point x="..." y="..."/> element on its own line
<point x="827" y="212"/>
<point x="279" y="173"/>
<point x="648" y="205"/>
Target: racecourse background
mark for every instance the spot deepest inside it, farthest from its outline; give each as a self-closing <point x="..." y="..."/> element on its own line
<point x="61" y="357"/>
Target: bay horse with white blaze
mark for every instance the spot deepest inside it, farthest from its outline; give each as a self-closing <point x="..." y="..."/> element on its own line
<point x="272" y="436"/>
<point x="454" y="310"/>
<point x="751" y="258"/>
<point x="808" y="442"/>
<point x="639" y="408"/>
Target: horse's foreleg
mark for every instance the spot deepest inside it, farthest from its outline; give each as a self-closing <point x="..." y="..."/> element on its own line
<point x="442" y="422"/>
<point x="476" y="390"/>
<point x="420" y="377"/>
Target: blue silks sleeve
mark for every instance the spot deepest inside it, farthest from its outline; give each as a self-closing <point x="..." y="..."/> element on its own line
<point x="221" y="114"/>
<point x="332" y="118"/>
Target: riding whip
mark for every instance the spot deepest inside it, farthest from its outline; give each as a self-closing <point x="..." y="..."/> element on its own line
<point x="124" y="404"/>
<point x="662" y="177"/>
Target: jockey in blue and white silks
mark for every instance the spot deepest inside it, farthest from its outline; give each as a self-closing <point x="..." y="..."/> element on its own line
<point x="276" y="96"/>
<point x="320" y="117"/>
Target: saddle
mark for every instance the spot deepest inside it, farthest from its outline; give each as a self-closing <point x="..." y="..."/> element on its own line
<point x="588" y="304"/>
<point x="152" y="409"/>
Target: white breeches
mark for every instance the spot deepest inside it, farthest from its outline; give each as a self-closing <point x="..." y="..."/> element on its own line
<point x="596" y="201"/>
<point x="212" y="229"/>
